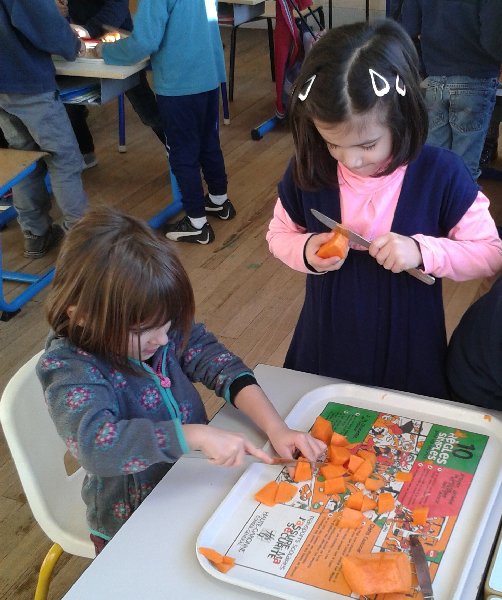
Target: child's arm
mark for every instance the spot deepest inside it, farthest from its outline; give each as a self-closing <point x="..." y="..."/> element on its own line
<point x="297" y="248"/>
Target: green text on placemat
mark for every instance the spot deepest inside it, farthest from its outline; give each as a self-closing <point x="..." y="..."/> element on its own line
<point x="453" y="448"/>
<point x="351" y="421"/>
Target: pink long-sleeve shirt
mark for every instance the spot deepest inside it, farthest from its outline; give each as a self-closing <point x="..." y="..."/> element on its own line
<point x="472" y="249"/>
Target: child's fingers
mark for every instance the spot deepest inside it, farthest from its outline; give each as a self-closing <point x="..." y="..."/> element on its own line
<point x="258" y="453"/>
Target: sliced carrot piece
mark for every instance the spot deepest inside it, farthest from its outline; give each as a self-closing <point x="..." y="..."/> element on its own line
<point x="221" y="562"/>
<point x="420" y="514"/>
<point x="354" y="463"/>
<point x="368" y="455"/>
<point x="337" y="439"/>
<point x="303" y="471"/>
<point x="385" y="503"/>
<point x="267" y="493"/>
<point x="338" y="455"/>
<point x="377" y="573"/>
<point x="350" y="519"/>
<point x="355" y="500"/>
<point x="333" y="486"/>
<point x="374" y="482"/>
<point x="363" y="472"/>
<point x="330" y="471"/>
<point x="338" y="245"/>
<point x="322" y="430"/>
<point x="285" y="492"/>
<point x="403" y="476"/>
<point x="368" y="504"/>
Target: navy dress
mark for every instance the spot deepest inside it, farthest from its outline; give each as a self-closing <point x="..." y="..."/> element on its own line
<point x="364" y="323"/>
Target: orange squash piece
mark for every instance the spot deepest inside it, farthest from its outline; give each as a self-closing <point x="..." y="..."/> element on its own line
<point x="403" y="476"/>
<point x="337" y="439"/>
<point x="333" y="486"/>
<point x="420" y="514"/>
<point x="355" y="500"/>
<point x="350" y="519"/>
<point x="285" y="492"/>
<point x="267" y="493"/>
<point x="303" y="471"/>
<point x="377" y="573"/>
<point x="374" y="482"/>
<point x="338" y="455"/>
<point x="221" y="562"/>
<point x="330" y="471"/>
<point x="368" y="504"/>
<point x="338" y="245"/>
<point x="368" y="455"/>
<point x="385" y="503"/>
<point x="354" y="463"/>
<point x="363" y="472"/>
<point x="322" y="430"/>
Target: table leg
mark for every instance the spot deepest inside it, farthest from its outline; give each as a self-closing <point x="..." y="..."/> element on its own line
<point x="122" y="136"/>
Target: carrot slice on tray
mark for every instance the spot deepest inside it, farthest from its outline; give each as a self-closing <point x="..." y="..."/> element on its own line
<point x="377" y="573"/>
<point x="420" y="514"/>
<point x="363" y="472"/>
<point x="355" y="500"/>
<point x="385" y="503"/>
<point x="368" y="455"/>
<point x="374" y="482"/>
<point x="336" y="485"/>
<point x="337" y="439"/>
<point x="403" y="476"/>
<point x="368" y="504"/>
<point x="303" y="471"/>
<point x="339" y="455"/>
<point x="354" y="463"/>
<point x="285" y="492"/>
<point x="322" y="430"/>
<point x="220" y="561"/>
<point x="330" y="471"/>
<point x="350" y="519"/>
<point x="267" y="493"/>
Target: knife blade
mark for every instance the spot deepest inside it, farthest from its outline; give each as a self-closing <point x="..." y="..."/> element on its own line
<point x="276" y="460"/>
<point x="358" y="239"/>
<point x="422" y="568"/>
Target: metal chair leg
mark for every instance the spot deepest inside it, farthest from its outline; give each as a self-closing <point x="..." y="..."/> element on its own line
<point x="233" y="40"/>
<point x="270" y="29"/>
<point x="45" y="574"/>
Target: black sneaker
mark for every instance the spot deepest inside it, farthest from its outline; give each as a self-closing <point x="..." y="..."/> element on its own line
<point x="36" y="246"/>
<point x="225" y="211"/>
<point x="184" y="231"/>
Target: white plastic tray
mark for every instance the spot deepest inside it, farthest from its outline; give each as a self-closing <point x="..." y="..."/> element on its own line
<point x="249" y="531"/>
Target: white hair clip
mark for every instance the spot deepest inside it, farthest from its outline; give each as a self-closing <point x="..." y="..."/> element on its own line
<point x="385" y="88"/>
<point x="306" y="88"/>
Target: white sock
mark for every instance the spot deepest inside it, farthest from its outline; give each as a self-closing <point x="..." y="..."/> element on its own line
<point x="199" y="222"/>
<point x="218" y="200"/>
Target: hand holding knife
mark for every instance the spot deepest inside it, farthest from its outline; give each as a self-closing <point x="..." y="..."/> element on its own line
<point x="357" y="239"/>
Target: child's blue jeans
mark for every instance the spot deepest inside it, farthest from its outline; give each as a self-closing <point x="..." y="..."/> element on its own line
<point x="40" y="122"/>
<point x="459" y="110"/>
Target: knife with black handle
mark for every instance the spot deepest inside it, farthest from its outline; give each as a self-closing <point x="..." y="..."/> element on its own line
<point x="357" y="239"/>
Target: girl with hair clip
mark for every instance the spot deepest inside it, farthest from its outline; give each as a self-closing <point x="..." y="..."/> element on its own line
<point x="359" y="125"/>
<point x="120" y="363"/>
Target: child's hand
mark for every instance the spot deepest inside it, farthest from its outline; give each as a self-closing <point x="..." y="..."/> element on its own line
<point x="222" y="447"/>
<point x="396" y="252"/>
<point x="321" y="264"/>
<point x="287" y="441"/>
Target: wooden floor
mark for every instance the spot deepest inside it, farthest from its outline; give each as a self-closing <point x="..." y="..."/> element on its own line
<point x="248" y="298"/>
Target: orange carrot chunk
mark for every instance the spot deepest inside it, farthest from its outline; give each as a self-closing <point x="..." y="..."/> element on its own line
<point x="338" y="455"/>
<point x="285" y="492"/>
<point x="267" y="493"/>
<point x="368" y="504"/>
<point x="337" y="439"/>
<point x="403" y="476"/>
<point x="354" y="463"/>
<point x="419" y="514"/>
<point x="330" y="471"/>
<point x="322" y="430"/>
<point x="303" y="471"/>
<point x="338" y="245"/>
<point x="385" y="503"/>
<point x="355" y="500"/>
<point x="377" y="573"/>
<point x="333" y="486"/>
<point x="363" y="472"/>
<point x="368" y="455"/>
<point x="221" y="562"/>
<point x="374" y="482"/>
<point x="350" y="519"/>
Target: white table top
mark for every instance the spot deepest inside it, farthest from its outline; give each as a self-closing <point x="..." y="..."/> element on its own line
<point x="153" y="555"/>
<point x="96" y="67"/>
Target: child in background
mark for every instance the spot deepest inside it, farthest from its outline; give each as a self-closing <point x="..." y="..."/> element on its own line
<point x="474" y="365"/>
<point x="359" y="125"/>
<point x="461" y="45"/>
<point x="120" y="364"/>
<point x="32" y="117"/>
<point x="183" y="41"/>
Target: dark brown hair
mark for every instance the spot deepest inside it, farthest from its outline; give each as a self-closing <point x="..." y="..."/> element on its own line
<point x="342" y="88"/>
<point x="117" y="275"/>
